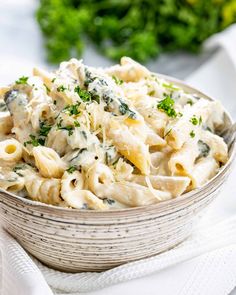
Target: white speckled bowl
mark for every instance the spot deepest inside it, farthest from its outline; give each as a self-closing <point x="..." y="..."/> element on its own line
<point x="82" y="240"/>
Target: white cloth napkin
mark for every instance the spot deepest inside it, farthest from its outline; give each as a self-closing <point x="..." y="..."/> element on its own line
<point x="204" y="264"/>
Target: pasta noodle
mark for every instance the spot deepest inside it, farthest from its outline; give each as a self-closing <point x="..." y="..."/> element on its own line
<point x="10" y="151"/>
<point x="98" y="139"/>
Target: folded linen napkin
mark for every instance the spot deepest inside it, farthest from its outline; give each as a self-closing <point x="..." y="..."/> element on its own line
<point x="204" y="264"/>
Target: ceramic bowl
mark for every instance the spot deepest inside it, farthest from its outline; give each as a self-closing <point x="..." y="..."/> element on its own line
<point x="74" y="240"/>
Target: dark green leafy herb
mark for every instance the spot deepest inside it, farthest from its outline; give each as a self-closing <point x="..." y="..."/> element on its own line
<point x="55" y="102"/>
<point x="61" y="88"/>
<point x="166" y="105"/>
<point x="117" y="80"/>
<point x="68" y="128"/>
<point x="44" y="128"/>
<point x="22" y="80"/>
<point x="204" y="149"/>
<point x="151" y="93"/>
<point x="139" y="29"/>
<point x="35" y="141"/>
<point x="72" y="109"/>
<point x="77" y="124"/>
<point x="71" y="169"/>
<point x="190" y="102"/>
<point x="194" y="120"/>
<point x="192" y="134"/>
<point x="53" y="80"/>
<point x="83" y="94"/>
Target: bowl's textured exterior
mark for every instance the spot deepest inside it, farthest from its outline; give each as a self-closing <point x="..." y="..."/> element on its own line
<point x="82" y="240"/>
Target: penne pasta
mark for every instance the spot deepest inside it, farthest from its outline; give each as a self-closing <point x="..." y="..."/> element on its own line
<point x="98" y="139"/>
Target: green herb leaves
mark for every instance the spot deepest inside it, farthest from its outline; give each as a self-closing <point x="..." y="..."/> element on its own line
<point x="72" y="109"/>
<point x="41" y="137"/>
<point x="71" y="169"/>
<point x="166" y="105"/>
<point x="83" y="94"/>
<point x="190" y="102"/>
<point x="61" y="88"/>
<point x="22" y="80"/>
<point x="192" y="134"/>
<point x="195" y="121"/>
<point x="117" y="80"/>
<point x="69" y="128"/>
<point x="35" y="141"/>
<point x="77" y="124"/>
<point x="44" y="129"/>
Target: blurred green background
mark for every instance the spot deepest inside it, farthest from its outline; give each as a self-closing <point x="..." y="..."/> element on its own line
<point x="141" y="29"/>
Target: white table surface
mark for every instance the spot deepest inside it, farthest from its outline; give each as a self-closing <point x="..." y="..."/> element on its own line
<point x="22" y="47"/>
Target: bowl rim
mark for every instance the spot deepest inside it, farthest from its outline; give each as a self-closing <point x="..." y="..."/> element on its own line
<point x="186" y="87"/>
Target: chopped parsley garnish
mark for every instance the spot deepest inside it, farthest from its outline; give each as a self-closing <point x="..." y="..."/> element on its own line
<point x="83" y="94"/>
<point x="43" y="132"/>
<point x="61" y="88"/>
<point x="44" y="129"/>
<point x="117" y="80"/>
<point x="22" y="80"/>
<point x="190" y="102"/>
<point x="71" y="169"/>
<point x="192" y="134"/>
<point x="68" y="128"/>
<point x="35" y="141"/>
<point x="55" y="102"/>
<point x="151" y="93"/>
<point x="53" y="80"/>
<point x="194" y="120"/>
<point x="77" y="124"/>
<point x="166" y="105"/>
<point x="72" y="109"/>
